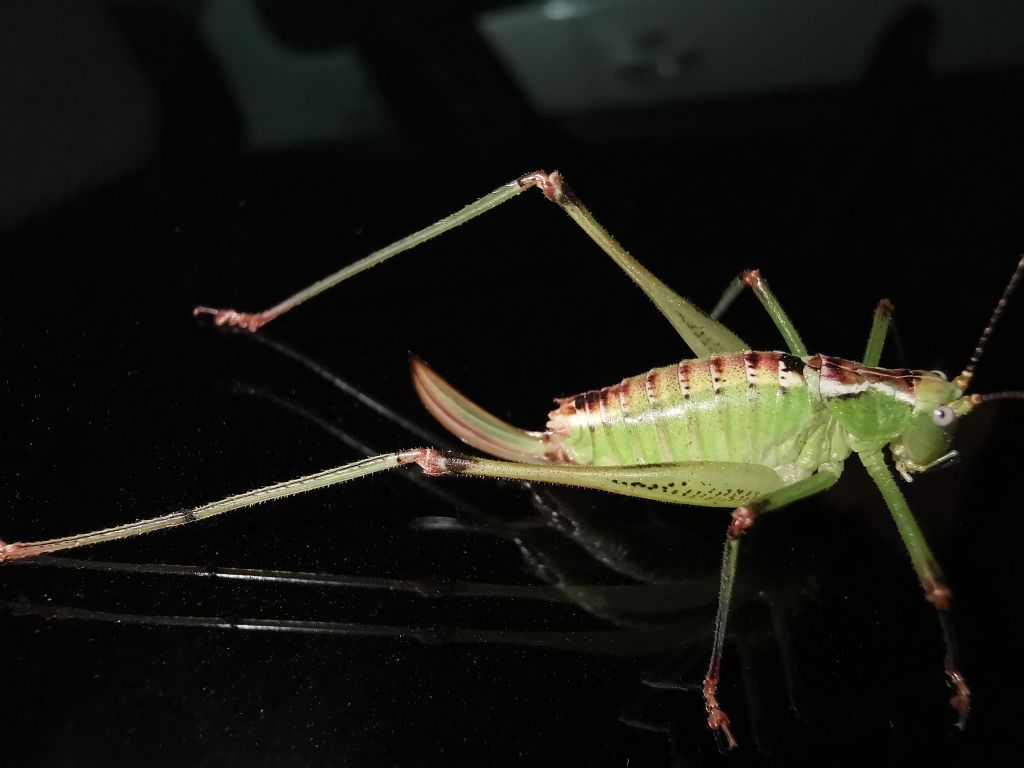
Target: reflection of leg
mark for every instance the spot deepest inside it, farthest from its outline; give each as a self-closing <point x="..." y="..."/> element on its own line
<point x="752" y="278"/>
<point x="743" y="517"/>
<point x="928" y="573"/>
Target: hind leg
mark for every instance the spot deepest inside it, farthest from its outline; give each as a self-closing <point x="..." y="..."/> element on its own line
<point x="704" y="335"/>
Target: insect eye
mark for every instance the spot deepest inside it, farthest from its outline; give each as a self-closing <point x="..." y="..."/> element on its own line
<point x="943" y="416"/>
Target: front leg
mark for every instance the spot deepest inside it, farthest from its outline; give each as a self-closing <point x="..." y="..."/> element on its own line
<point x="928" y="573"/>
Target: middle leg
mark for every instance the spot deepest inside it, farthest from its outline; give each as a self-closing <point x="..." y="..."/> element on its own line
<point x="743" y="518"/>
<point x="879" y="329"/>
<point x="751" y="278"/>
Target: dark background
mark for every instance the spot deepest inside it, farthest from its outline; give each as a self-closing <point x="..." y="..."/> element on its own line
<point x="156" y="155"/>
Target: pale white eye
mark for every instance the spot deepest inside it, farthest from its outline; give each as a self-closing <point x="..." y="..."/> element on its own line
<point x="943" y="416"/>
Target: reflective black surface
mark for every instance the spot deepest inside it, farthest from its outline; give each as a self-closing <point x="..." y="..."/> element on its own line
<point x="398" y="621"/>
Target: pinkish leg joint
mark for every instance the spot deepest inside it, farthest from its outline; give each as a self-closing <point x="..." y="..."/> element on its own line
<point x="961" y="700"/>
<point x="552" y="185"/>
<point x="435" y="463"/>
<point x="717" y="719"/>
<point x="742" y="519"/>
<point x="250" y="321"/>
<point x="938" y="594"/>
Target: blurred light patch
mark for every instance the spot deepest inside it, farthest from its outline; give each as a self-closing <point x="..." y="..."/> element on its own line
<point x="574" y="56"/>
<point x="290" y="97"/>
<point x="76" y="110"/>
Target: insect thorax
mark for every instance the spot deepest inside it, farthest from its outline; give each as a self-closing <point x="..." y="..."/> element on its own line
<point x="751" y="407"/>
<point x="888" y="405"/>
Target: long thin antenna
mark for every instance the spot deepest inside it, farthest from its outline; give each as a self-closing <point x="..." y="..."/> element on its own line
<point x="963" y="381"/>
<point x="978" y="399"/>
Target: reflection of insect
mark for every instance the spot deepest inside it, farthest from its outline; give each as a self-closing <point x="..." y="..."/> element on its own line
<point x="751" y="431"/>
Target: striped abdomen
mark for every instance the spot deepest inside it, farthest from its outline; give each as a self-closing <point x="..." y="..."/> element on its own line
<point x="753" y="407"/>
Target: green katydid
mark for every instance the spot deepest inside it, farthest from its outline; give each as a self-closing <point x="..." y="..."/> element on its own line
<point x="734" y="428"/>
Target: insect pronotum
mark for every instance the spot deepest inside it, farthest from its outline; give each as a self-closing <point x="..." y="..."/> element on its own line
<point x="735" y="428"/>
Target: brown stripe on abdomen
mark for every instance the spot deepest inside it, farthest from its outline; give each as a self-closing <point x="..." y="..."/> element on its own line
<point x="721" y="408"/>
<point x="655" y="385"/>
<point x="717" y="370"/>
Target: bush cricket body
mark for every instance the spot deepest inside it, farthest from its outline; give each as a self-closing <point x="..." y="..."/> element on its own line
<point x="734" y="428"/>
